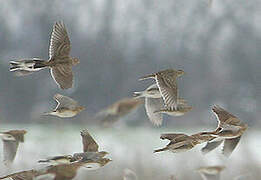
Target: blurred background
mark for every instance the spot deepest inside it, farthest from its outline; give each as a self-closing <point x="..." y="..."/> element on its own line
<point x="117" y="42"/>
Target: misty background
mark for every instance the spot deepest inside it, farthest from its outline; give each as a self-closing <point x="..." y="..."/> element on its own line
<point x="117" y="42"/>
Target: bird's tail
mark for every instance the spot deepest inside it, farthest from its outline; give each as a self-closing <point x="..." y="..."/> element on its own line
<point x="160" y="150"/>
<point x="29" y="65"/>
<point x="138" y="94"/>
<point x="147" y="77"/>
<point x="43" y="161"/>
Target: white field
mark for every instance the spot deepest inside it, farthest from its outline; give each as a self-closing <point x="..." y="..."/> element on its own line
<point x="132" y="148"/>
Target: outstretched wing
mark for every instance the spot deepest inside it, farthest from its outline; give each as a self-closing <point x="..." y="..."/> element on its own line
<point x="210" y="146"/>
<point x="230" y="145"/>
<point x="89" y="144"/>
<point x="224" y="117"/>
<point x="64" y="101"/>
<point x="168" y="89"/>
<point x="152" y="105"/>
<point x="10" y="149"/>
<point x="59" y="43"/>
<point x="62" y="75"/>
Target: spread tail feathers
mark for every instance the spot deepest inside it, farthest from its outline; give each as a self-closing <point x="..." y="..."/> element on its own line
<point x="147" y="77"/>
<point x="29" y="65"/>
<point x="138" y="94"/>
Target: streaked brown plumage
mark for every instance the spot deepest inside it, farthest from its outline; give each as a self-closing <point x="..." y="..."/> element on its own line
<point x="117" y="110"/>
<point x="229" y="131"/>
<point x="11" y="140"/>
<point x="154" y="105"/>
<point x="210" y="172"/>
<point x="90" y="152"/>
<point x="61" y="171"/>
<point x="181" y="142"/>
<point x="59" y="61"/>
<point x="166" y="81"/>
<point x="66" y="107"/>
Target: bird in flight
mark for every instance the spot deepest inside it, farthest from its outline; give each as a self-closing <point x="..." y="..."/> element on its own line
<point x="166" y="81"/>
<point x="229" y="132"/>
<point x="66" y="107"/>
<point x="60" y="62"/>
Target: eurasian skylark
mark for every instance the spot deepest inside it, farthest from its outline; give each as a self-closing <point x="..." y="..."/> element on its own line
<point x="229" y="131"/>
<point x="154" y="105"/>
<point x="11" y="140"/>
<point x="181" y="142"/>
<point x="117" y="110"/>
<point x="66" y="107"/>
<point x="90" y="153"/>
<point x="166" y="81"/>
<point x="210" y="172"/>
<point x="59" y="61"/>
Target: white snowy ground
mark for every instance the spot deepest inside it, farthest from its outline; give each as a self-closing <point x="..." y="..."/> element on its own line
<point x="132" y="148"/>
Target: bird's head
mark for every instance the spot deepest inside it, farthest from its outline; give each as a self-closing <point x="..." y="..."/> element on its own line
<point x="75" y="61"/>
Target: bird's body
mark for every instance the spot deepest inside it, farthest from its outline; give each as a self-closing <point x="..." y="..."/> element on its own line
<point x="60" y="62"/>
<point x="55" y="160"/>
<point x="154" y="105"/>
<point x="66" y="107"/>
<point x="180" y="111"/>
<point x="119" y="109"/>
<point x="181" y="142"/>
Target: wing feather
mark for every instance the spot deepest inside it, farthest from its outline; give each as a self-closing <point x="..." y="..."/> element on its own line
<point x="151" y="105"/>
<point x="89" y="144"/>
<point x="59" y="43"/>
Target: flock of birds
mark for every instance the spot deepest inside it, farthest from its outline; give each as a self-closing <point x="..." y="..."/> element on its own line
<point x="160" y="97"/>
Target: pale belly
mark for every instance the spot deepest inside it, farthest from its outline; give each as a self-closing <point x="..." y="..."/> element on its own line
<point x="66" y="114"/>
<point x="175" y="113"/>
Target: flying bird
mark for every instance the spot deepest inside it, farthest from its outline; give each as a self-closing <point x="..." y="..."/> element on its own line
<point x="181" y="142"/>
<point x="166" y="81"/>
<point x="60" y="62"/>
<point x="210" y="172"/>
<point x="117" y="110"/>
<point x="11" y="140"/>
<point x="58" y="172"/>
<point x="228" y="132"/>
<point x="90" y="153"/>
<point x="154" y="105"/>
<point x="66" y="107"/>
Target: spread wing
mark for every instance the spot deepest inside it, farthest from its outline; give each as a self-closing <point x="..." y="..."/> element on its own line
<point x="10" y="149"/>
<point x="210" y="146"/>
<point x="59" y="43"/>
<point x="89" y="144"/>
<point x="64" y="101"/>
<point x="151" y="105"/>
<point x="225" y="117"/>
<point x="230" y="145"/>
<point x="169" y="90"/>
<point x="62" y="75"/>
